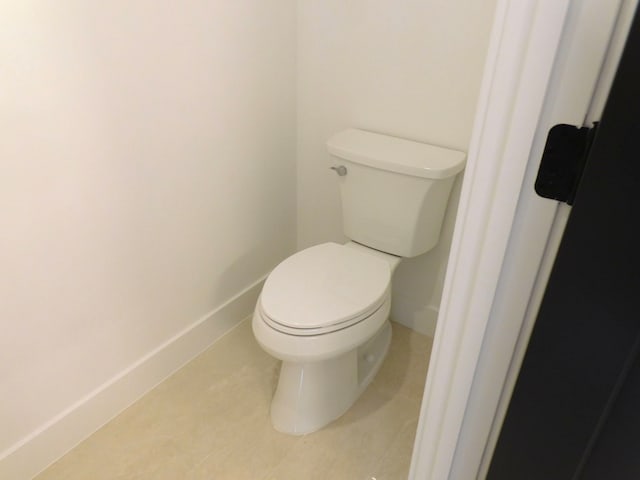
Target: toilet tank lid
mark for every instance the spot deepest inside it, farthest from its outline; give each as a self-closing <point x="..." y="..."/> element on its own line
<point x="396" y="154"/>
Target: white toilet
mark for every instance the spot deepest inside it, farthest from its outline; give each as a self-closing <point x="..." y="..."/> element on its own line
<point x="324" y="310"/>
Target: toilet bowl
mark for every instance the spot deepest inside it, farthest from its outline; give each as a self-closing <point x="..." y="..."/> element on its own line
<point x="324" y="313"/>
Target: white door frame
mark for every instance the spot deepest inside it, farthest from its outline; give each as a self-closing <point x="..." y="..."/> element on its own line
<point x="542" y="67"/>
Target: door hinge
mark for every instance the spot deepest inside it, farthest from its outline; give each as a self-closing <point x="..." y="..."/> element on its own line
<point x="563" y="160"/>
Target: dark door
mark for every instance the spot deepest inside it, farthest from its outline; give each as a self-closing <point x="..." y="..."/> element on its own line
<point x="575" y="410"/>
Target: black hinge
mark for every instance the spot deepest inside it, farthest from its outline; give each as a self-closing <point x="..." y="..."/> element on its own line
<point x="563" y="160"/>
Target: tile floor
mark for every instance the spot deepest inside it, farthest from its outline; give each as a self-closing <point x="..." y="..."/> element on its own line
<point x="210" y="421"/>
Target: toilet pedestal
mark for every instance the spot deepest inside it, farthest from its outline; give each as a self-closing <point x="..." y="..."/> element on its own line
<point x="310" y="395"/>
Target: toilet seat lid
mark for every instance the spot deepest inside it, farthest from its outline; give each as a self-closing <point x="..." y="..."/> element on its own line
<point x="324" y="286"/>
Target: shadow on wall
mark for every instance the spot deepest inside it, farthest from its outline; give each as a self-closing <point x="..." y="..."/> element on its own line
<point x="233" y="279"/>
<point x="416" y="294"/>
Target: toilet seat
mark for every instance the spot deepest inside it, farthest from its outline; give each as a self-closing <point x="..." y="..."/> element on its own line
<point x="323" y="289"/>
<point x="302" y="332"/>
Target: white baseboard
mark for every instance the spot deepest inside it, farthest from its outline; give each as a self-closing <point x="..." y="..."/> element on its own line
<point x="44" y="446"/>
<point x="421" y="318"/>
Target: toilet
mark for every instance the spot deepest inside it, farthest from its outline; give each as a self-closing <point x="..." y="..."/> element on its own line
<point x="324" y="311"/>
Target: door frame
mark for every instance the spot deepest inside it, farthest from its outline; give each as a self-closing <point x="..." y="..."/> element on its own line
<point x="537" y="73"/>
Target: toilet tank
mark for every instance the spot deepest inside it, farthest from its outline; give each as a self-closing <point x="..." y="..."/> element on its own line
<point x="395" y="191"/>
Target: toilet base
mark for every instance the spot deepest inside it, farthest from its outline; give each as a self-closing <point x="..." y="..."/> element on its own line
<point x="312" y="394"/>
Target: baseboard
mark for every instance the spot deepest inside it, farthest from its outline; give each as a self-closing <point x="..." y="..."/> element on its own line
<point x="44" y="446"/>
<point x="411" y="314"/>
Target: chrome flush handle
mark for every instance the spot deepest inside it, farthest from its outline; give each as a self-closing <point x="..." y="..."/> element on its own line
<point x="341" y="170"/>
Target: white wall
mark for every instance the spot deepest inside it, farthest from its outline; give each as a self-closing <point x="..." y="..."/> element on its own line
<point x="403" y="67"/>
<point x="147" y="175"/>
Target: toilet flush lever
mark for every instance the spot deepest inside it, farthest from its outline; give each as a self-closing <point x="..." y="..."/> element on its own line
<point x="341" y="170"/>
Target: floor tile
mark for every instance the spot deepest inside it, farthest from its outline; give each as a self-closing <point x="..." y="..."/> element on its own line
<point x="210" y="421"/>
